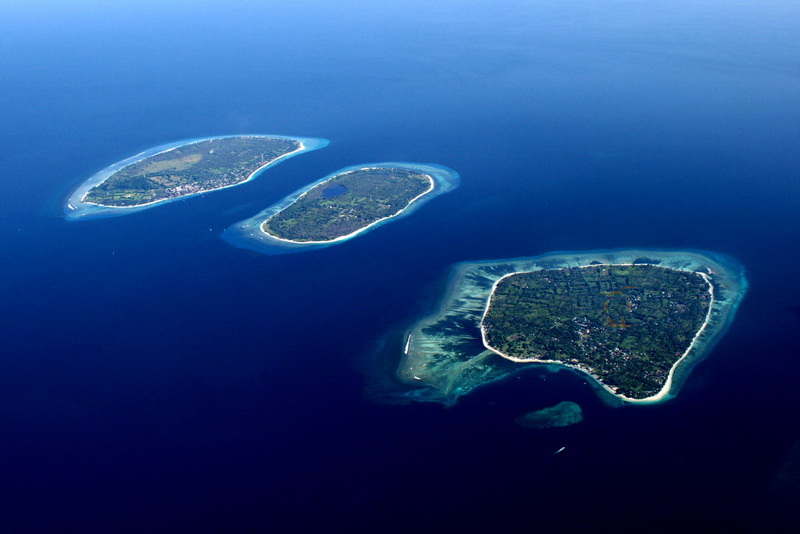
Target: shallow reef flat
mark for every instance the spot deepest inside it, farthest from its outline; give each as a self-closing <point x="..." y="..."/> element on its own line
<point x="341" y="206"/>
<point x="444" y="355"/>
<point x="562" y="414"/>
<point x="175" y="171"/>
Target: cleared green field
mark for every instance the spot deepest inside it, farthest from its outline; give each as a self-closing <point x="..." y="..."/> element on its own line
<point x="189" y="169"/>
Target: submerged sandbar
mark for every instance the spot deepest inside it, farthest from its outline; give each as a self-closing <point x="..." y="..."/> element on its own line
<point x="175" y="171"/>
<point x="341" y="206"/>
<point x="579" y="311"/>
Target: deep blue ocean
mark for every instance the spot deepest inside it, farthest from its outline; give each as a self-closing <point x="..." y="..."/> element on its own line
<point x="153" y="378"/>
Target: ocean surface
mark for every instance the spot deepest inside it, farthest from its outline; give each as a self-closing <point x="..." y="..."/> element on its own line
<point x="153" y="378"/>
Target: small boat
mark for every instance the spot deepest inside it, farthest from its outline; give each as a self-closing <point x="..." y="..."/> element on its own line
<point x="559" y="450"/>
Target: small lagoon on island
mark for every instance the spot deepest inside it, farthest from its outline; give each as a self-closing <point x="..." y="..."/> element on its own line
<point x="375" y="194"/>
<point x="334" y="191"/>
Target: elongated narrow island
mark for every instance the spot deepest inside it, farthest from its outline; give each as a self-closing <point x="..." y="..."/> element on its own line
<point x="178" y="170"/>
<point x="341" y="206"/>
<point x="634" y="321"/>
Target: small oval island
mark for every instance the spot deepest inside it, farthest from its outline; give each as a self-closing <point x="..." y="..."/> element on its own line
<point x="341" y="206"/>
<point x="174" y="171"/>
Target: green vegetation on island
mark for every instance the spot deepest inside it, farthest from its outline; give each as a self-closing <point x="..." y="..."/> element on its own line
<point x="347" y="203"/>
<point x="672" y="310"/>
<point x="189" y="169"/>
<point x="627" y="325"/>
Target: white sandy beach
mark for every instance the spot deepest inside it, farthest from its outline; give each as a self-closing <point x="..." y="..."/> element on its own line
<point x="663" y="393"/>
<point x="77" y="208"/>
<point x="352" y="234"/>
<point x="252" y="175"/>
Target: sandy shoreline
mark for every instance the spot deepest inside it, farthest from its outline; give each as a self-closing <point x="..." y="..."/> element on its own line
<point x="663" y="392"/>
<point x="352" y="234"/>
<point x="445" y="355"/>
<point x="77" y="208"/>
<point x="250" y="234"/>
<point x="250" y="176"/>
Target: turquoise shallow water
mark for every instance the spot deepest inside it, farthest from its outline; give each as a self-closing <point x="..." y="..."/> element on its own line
<point x="76" y="209"/>
<point x="248" y="233"/>
<point x="445" y="356"/>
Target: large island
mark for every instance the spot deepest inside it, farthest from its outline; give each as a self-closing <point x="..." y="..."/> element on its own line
<point x="634" y="321"/>
<point x="178" y="170"/>
<point x="341" y="206"/>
